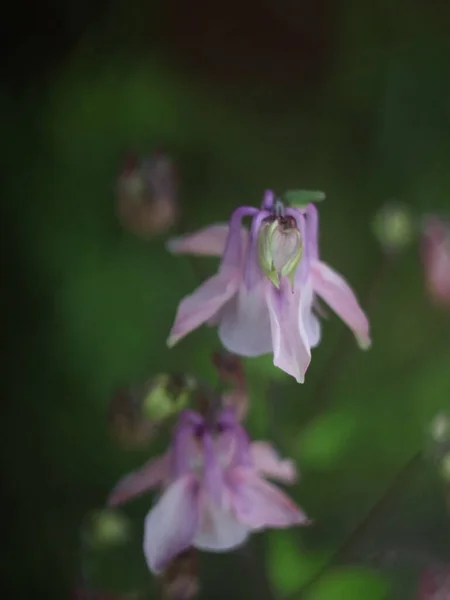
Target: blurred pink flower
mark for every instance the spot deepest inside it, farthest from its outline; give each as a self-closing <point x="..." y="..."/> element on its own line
<point x="214" y="491"/>
<point x="436" y="259"/>
<point x="435" y="584"/>
<point x="263" y="297"/>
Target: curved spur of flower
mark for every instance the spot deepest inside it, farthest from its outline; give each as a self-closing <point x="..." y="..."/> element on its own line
<point x="436" y="260"/>
<point x="214" y="491"/>
<point x="333" y="288"/>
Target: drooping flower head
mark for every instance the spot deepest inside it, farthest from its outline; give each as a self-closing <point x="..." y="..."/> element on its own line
<point x="262" y="297"/>
<point x="436" y="260"/>
<point x="213" y="489"/>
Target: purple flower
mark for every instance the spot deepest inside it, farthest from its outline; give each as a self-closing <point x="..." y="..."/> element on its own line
<point x="263" y="295"/>
<point x="214" y="491"/>
<point x="436" y="260"/>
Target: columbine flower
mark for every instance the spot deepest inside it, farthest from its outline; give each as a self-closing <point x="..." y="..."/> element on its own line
<point x="214" y="491"/>
<point x="263" y="295"/>
<point x="436" y="259"/>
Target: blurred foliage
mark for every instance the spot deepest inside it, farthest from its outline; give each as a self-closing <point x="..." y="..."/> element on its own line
<point x="88" y="306"/>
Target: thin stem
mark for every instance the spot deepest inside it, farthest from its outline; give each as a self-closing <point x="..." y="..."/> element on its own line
<point x="402" y="476"/>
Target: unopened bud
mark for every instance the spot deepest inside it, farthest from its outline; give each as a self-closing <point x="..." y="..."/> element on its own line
<point x="147" y="195"/>
<point x="167" y="395"/>
<point x="106" y="527"/>
<point x="280" y="249"/>
<point x="394" y="227"/>
<point x="137" y="412"/>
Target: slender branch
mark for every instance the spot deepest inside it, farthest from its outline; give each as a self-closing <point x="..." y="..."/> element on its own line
<point x="403" y="475"/>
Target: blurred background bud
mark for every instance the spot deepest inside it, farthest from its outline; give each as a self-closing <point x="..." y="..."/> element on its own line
<point x="435" y="583"/>
<point x="147" y="194"/>
<point x="435" y="250"/>
<point x="111" y="555"/>
<point x="180" y="580"/>
<point x="106" y="527"/>
<point x="393" y="227"/>
<point x="230" y="371"/>
<point x="137" y="412"/>
<point x="440" y="428"/>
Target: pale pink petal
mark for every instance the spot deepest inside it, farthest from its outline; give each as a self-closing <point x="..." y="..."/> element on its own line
<point x="244" y="327"/>
<point x="152" y="474"/>
<point x="337" y="293"/>
<point x="219" y="530"/>
<point x="204" y="303"/>
<point x="313" y="329"/>
<point x="171" y="524"/>
<point x="310" y="322"/>
<point x="268" y="463"/>
<point x="259" y="504"/>
<point x="291" y="351"/>
<point x="209" y="241"/>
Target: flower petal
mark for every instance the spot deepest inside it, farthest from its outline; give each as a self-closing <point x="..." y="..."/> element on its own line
<point x="310" y="322"/>
<point x="219" y="529"/>
<point x="153" y="473"/>
<point x="203" y="304"/>
<point x="171" y="524"/>
<point x="313" y="329"/>
<point x="291" y="351"/>
<point x="244" y="327"/>
<point x="209" y="241"/>
<point x="268" y="463"/>
<point x="259" y="504"/>
<point x="337" y="293"/>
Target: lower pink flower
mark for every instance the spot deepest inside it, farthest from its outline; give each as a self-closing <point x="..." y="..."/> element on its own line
<point x="215" y="491"/>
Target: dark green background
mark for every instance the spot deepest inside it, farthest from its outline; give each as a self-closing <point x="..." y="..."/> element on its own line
<point x="352" y="98"/>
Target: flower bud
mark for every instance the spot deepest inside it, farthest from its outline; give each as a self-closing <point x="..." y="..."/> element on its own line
<point x="393" y="227"/>
<point x="167" y="395"/>
<point x="106" y="527"/>
<point x="280" y="249"/>
<point x="147" y="195"/>
<point x="137" y="412"/>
